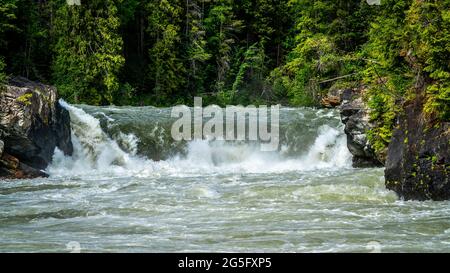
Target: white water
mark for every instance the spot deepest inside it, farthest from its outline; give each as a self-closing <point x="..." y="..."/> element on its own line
<point x="96" y="154"/>
<point x="214" y="196"/>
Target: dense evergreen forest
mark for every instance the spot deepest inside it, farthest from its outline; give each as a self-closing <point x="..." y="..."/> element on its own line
<point x="165" y="52"/>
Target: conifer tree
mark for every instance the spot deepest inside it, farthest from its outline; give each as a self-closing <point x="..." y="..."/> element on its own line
<point x="197" y="53"/>
<point x="222" y="26"/>
<point x="7" y="16"/>
<point x="88" y="51"/>
<point x="166" y="69"/>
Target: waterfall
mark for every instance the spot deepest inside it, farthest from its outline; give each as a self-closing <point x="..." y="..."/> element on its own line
<point x="134" y="141"/>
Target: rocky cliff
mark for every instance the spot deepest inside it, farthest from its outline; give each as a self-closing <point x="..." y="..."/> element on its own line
<point x="418" y="161"/>
<point x="32" y="125"/>
<point x="355" y="116"/>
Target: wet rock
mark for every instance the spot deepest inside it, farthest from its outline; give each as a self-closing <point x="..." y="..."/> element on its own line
<point x="9" y="162"/>
<point x="32" y="125"/>
<point x="11" y="167"/>
<point x="331" y="101"/>
<point x="418" y="160"/>
<point x="355" y="116"/>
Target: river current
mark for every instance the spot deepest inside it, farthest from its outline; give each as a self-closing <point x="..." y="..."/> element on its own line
<point x="130" y="188"/>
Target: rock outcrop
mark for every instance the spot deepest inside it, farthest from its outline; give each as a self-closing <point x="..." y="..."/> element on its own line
<point x="331" y="101"/>
<point x="418" y="160"/>
<point x="32" y="125"/>
<point x="355" y="116"/>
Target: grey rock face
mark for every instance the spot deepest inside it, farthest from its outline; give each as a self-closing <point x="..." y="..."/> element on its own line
<point x="418" y="160"/>
<point x="355" y="116"/>
<point x="32" y="125"/>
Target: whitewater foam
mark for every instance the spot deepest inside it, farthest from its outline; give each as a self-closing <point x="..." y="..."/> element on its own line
<point x="96" y="154"/>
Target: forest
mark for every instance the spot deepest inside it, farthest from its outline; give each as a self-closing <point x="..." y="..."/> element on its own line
<point x="166" y="52"/>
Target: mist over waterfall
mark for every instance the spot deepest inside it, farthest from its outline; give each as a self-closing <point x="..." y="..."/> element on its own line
<point x="137" y="142"/>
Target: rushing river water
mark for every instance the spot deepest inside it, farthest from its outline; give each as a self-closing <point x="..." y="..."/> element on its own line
<point x="130" y="188"/>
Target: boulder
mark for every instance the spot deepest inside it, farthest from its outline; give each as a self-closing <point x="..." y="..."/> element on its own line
<point x="32" y="125"/>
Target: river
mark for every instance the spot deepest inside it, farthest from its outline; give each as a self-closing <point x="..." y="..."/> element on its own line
<point x="130" y="188"/>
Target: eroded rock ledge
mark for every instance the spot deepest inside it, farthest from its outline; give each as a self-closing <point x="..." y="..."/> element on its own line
<point x="32" y="125"/>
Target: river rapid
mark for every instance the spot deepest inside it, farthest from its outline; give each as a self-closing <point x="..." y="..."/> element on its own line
<point x="130" y="188"/>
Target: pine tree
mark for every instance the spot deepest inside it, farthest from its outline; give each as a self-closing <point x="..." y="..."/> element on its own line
<point x="166" y="69"/>
<point x="222" y="26"/>
<point x="266" y="22"/>
<point x="197" y="54"/>
<point x="7" y="16"/>
<point x="29" y="52"/>
<point x="88" y="51"/>
<point x="327" y="35"/>
<point x="133" y="20"/>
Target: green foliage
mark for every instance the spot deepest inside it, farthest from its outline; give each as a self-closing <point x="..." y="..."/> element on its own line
<point x="8" y="9"/>
<point x="166" y="69"/>
<point x="197" y="54"/>
<point x="431" y="47"/>
<point x="7" y="16"/>
<point x="383" y="114"/>
<point x="161" y="52"/>
<point x="326" y="36"/>
<point x="221" y="28"/>
<point x="125" y="95"/>
<point x="31" y="43"/>
<point x="87" y="52"/>
<point x="2" y="73"/>
<point x="387" y="75"/>
<point x="407" y="53"/>
<point x="310" y="61"/>
<point x="250" y="74"/>
<point x="25" y="98"/>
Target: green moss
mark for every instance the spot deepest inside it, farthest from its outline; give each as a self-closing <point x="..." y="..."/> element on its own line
<point x="434" y="159"/>
<point x="25" y="98"/>
<point x="392" y="183"/>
